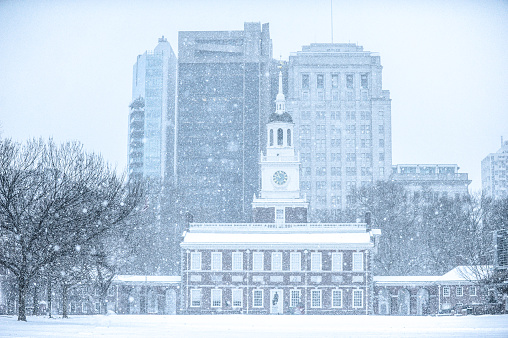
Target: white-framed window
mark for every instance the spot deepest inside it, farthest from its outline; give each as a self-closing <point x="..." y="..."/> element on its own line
<point x="315" y="298"/>
<point x="195" y="296"/>
<point x="111" y="290"/>
<point x="237" y="297"/>
<point x="446" y="291"/>
<point x="257" y="298"/>
<point x="294" y="298"/>
<point x="257" y="261"/>
<point x="337" y="261"/>
<point x="459" y="291"/>
<point x="237" y="261"/>
<point x="357" y="298"/>
<point x="315" y="261"/>
<point x="195" y="261"/>
<point x="337" y="298"/>
<point x="295" y="259"/>
<point x="216" y="298"/>
<point x="357" y="261"/>
<point x="216" y="261"/>
<point x="279" y="215"/>
<point x="276" y="261"/>
<point x="472" y="290"/>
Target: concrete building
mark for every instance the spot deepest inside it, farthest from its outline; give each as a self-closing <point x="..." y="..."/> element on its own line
<point x="342" y="120"/>
<point x="152" y="114"/>
<point x="431" y="180"/>
<point x="224" y="97"/>
<point x="495" y="173"/>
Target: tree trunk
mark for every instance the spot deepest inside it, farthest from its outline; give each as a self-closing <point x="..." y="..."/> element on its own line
<point x="22" y="289"/>
<point x="65" y="291"/>
<point x="35" y="301"/>
<point x="50" y="297"/>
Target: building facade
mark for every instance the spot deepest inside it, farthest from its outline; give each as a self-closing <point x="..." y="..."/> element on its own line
<point x="343" y="121"/>
<point x="152" y="114"/>
<point x="224" y="97"/>
<point x="431" y="180"/>
<point x="495" y="173"/>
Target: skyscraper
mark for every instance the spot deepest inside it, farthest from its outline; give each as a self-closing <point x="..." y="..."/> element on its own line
<point x="152" y="114"/>
<point x="495" y="173"/>
<point x="224" y="98"/>
<point x="342" y="118"/>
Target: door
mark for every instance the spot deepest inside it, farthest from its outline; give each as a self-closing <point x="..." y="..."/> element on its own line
<point x="276" y="301"/>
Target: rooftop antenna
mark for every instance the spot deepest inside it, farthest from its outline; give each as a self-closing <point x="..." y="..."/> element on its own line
<point x="331" y="17"/>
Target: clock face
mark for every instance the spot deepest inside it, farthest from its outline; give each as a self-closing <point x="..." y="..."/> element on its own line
<point x="280" y="177"/>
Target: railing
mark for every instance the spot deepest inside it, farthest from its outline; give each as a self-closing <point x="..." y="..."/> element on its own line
<point x="280" y="158"/>
<point x="278" y="226"/>
<point x="430" y="177"/>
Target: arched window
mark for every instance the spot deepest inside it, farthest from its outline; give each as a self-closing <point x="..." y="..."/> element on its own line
<point x="271" y="137"/>
<point x="289" y="138"/>
<point x="280" y="136"/>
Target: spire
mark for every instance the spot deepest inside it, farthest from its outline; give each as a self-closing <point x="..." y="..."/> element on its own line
<point x="280" y="102"/>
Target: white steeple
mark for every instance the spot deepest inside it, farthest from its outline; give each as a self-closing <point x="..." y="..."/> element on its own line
<point x="281" y="99"/>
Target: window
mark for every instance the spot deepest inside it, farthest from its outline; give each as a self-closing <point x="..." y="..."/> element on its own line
<point x="366" y="171"/>
<point x="459" y="291"/>
<point x="305" y="95"/>
<point x="237" y="297"/>
<point x="216" y="261"/>
<point x="216" y="298"/>
<point x="257" y="298"/>
<point x="350" y="157"/>
<point x="280" y="136"/>
<point x="335" y="80"/>
<point x="357" y="298"/>
<point x="320" y="95"/>
<point x="335" y="130"/>
<point x="195" y="295"/>
<point x="237" y="261"/>
<point x="305" y="129"/>
<point x="381" y="157"/>
<point x="306" y="171"/>
<point x="357" y="261"/>
<point x="381" y="129"/>
<point x="320" y="115"/>
<point x="381" y="143"/>
<point x="337" y="261"/>
<point x="335" y="171"/>
<point x="381" y="171"/>
<point x="350" y="115"/>
<point x="305" y="142"/>
<point x="321" y="129"/>
<point x="336" y="185"/>
<point x="305" y="81"/>
<point x="351" y="129"/>
<point x="335" y="200"/>
<point x="257" y="261"/>
<point x="305" y="115"/>
<point x="364" y="81"/>
<point x="321" y="171"/>
<point x="295" y="259"/>
<point x="320" y="81"/>
<point x="381" y="114"/>
<point x="350" y="171"/>
<point x="349" y="81"/>
<point x="336" y="298"/>
<point x="320" y="185"/>
<point x="271" y="137"/>
<point x="315" y="298"/>
<point x="294" y="298"/>
<point x="335" y="115"/>
<point x="351" y="143"/>
<point x="289" y="137"/>
<point x="279" y="215"/>
<point x="472" y="290"/>
<point x="446" y="291"/>
<point x="335" y="157"/>
<point x="195" y="260"/>
<point x="321" y="157"/>
<point x="335" y="143"/>
<point x="315" y="261"/>
<point x="276" y="261"/>
<point x="366" y="143"/>
<point x="321" y="143"/>
<point x="305" y="185"/>
<point x="365" y="115"/>
<point x="335" y="96"/>
<point x="305" y="157"/>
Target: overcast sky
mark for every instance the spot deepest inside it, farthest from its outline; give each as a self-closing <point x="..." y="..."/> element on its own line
<point x="66" y="66"/>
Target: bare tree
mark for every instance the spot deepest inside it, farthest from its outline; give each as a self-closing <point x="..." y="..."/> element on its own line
<point x="53" y="198"/>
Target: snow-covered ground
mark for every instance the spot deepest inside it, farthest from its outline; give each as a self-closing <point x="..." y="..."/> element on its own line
<point x="255" y="326"/>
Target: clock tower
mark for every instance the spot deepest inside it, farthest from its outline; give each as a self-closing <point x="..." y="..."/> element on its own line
<point x="280" y="200"/>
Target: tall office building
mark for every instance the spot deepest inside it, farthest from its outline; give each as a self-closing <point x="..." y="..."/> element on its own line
<point x="152" y="114"/>
<point x="343" y="121"/>
<point x="224" y="98"/>
<point x="495" y="173"/>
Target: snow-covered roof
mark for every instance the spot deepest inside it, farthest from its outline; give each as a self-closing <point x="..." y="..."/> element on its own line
<point x="405" y="279"/>
<point x="136" y="279"/>
<point x="466" y="273"/>
<point x="274" y="240"/>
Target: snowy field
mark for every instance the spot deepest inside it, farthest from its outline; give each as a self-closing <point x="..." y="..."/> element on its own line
<point x="255" y="326"/>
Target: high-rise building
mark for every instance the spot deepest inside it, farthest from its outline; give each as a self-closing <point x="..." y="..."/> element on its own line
<point x="152" y="114"/>
<point x="224" y="98"/>
<point x="342" y="119"/>
<point x="431" y="180"/>
<point x="495" y="173"/>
